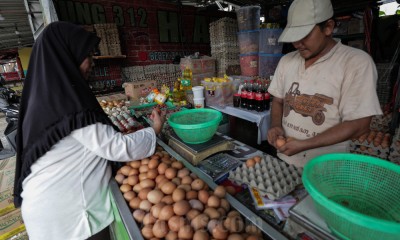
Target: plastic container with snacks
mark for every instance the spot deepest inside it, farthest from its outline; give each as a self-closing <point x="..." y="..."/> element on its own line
<point x="248" y="41"/>
<point x="248" y="18"/>
<point x="268" y="42"/>
<point x="249" y="64"/>
<point x="218" y="93"/>
<point x="268" y="64"/>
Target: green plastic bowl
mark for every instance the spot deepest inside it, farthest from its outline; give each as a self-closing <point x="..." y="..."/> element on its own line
<point x="357" y="195"/>
<point x="195" y="126"/>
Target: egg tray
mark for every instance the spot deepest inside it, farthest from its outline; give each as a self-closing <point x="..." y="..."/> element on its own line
<point x="272" y="177"/>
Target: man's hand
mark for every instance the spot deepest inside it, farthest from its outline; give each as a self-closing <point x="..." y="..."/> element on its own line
<point x="273" y="134"/>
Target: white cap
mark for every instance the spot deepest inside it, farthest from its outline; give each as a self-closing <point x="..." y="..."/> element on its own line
<point x="303" y="15"/>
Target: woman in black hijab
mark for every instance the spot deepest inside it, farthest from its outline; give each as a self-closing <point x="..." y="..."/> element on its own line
<point x="65" y="140"/>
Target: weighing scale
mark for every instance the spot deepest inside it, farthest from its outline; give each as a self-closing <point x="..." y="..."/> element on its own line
<point x="195" y="153"/>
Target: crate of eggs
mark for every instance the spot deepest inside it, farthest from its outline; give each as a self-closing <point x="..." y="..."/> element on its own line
<point x="374" y="143"/>
<point x="272" y="177"/>
<point x="119" y="114"/>
<point x="168" y="201"/>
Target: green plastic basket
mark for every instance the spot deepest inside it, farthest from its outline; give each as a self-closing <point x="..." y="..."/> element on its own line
<point x="195" y="126"/>
<point x="357" y="195"/>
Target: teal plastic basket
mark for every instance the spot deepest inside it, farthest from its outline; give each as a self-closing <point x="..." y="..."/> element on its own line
<point x="357" y="195"/>
<point x="195" y="126"/>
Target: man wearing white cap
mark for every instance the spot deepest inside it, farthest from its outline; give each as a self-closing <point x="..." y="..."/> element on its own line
<point x="324" y="92"/>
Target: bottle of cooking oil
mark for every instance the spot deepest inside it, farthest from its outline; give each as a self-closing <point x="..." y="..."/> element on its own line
<point x="186" y="81"/>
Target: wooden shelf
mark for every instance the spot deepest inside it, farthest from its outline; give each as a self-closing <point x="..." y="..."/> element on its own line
<point x="109" y="57"/>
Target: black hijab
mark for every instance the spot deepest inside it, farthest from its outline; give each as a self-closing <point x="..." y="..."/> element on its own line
<point x="56" y="99"/>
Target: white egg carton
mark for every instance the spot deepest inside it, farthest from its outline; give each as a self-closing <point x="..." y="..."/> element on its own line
<point x="272" y="177"/>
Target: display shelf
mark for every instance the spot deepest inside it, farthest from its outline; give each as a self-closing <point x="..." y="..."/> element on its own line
<point x="109" y="57"/>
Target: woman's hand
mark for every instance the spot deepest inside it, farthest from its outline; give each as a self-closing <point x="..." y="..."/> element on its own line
<point x="292" y="146"/>
<point x="158" y="119"/>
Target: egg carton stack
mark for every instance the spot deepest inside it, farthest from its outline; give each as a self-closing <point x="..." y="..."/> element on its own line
<point x="374" y="144"/>
<point x="161" y="73"/>
<point x="224" y="43"/>
<point x="272" y="177"/>
<point x="381" y="123"/>
<point x="110" y="44"/>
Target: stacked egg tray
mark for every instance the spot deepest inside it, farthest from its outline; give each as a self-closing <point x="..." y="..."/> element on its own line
<point x="272" y="177"/>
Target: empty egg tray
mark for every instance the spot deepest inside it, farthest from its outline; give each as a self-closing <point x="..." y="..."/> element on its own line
<point x="272" y="177"/>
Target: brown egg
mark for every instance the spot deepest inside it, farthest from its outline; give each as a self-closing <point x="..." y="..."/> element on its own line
<point x="192" y="214"/>
<point x="171" y="235"/>
<point x="129" y="195"/>
<point x="250" y="163"/>
<point x="125" y="188"/>
<point x="186" y="232"/>
<point x="166" y="212"/>
<point x="176" y="222"/>
<point x="142" y="176"/>
<point x="160" y="229"/>
<point x="186" y="180"/>
<point x="149" y="219"/>
<point x="148" y="183"/>
<point x="159" y="178"/>
<point x="185" y="187"/>
<point x="119" y="178"/>
<point x="145" y="205"/>
<point x="156" y="209"/>
<point x="183" y="173"/>
<point x="234" y="224"/>
<point x="225" y="204"/>
<point x="170" y="173"/>
<point x="133" y="171"/>
<point x="133" y="180"/>
<point x="191" y="195"/>
<point x="161" y="168"/>
<point x="137" y="188"/>
<point x="145" y="161"/>
<point x="212" y="213"/>
<point x="178" y="194"/>
<point x="197" y="184"/>
<point x="193" y="175"/>
<point x="200" y="221"/>
<point x="235" y="236"/>
<point x="135" y="164"/>
<point x="213" y="201"/>
<point x="181" y="207"/>
<point x="233" y="213"/>
<point x="257" y="159"/>
<point x="138" y="215"/>
<point x="125" y="170"/>
<point x="147" y="231"/>
<point x="167" y="199"/>
<point x="152" y="174"/>
<point x="143" y="169"/>
<point x="201" y="235"/>
<point x="155" y="196"/>
<point x="153" y="163"/>
<point x="135" y="203"/>
<point x="219" y="191"/>
<point x="177" y="165"/>
<point x="155" y="157"/>
<point x="203" y="196"/>
<point x="166" y="160"/>
<point x="221" y="211"/>
<point x="143" y="193"/>
<point x="219" y="231"/>
<point x="168" y="188"/>
<point x="253" y="230"/>
<point x="177" y="181"/>
<point x="280" y="141"/>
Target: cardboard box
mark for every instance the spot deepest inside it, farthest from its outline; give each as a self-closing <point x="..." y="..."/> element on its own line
<point x="136" y="90"/>
<point x="11" y="224"/>
<point x="201" y="65"/>
<point x="6" y="201"/>
<point x="7" y="179"/>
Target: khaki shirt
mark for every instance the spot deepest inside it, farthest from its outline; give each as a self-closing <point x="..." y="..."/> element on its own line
<point x="340" y="86"/>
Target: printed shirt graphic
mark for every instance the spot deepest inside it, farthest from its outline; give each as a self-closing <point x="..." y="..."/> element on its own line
<point x="339" y="87"/>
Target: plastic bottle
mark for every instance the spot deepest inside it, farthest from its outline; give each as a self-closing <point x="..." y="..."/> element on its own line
<point x="259" y="98"/>
<point x="250" y="96"/>
<point x="267" y="97"/>
<point x="243" y="95"/>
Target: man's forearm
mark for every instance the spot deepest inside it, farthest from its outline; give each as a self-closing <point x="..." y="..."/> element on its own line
<point x="339" y="133"/>
<point x="276" y="112"/>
